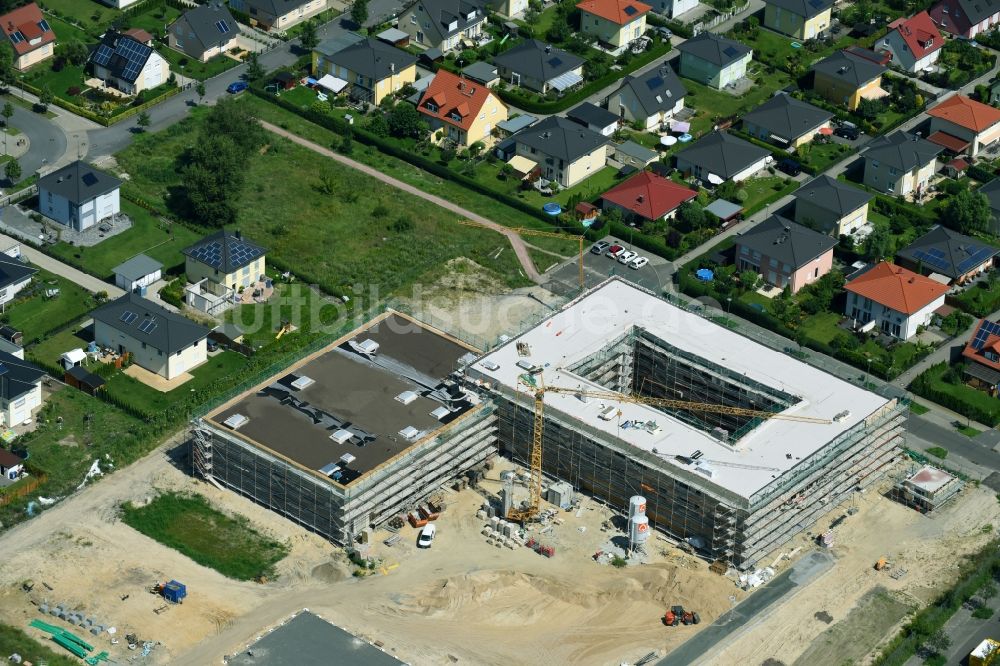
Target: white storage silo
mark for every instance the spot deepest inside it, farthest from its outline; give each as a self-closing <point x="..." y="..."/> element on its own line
<point x="638" y="531"/>
<point x="636" y="506"/>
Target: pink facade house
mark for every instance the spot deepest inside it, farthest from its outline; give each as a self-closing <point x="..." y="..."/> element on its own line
<point x="785" y="254"/>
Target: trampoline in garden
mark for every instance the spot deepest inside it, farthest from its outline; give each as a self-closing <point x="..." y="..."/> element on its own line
<point x="704" y="274"/>
<point x="552" y="208"/>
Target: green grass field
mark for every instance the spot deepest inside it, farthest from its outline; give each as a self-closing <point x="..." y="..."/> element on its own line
<point x="364" y="233"/>
<point x="14" y="640"/>
<point x="711" y="104"/>
<point x="148" y="235"/>
<point x="193" y="68"/>
<point x="83" y="12"/>
<point x="190" y="525"/>
<point x="37" y="315"/>
<point x="67" y="32"/>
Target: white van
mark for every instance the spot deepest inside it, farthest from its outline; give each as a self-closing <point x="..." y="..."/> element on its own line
<point x="426" y="536"/>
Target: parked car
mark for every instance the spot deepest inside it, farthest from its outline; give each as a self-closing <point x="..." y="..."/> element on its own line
<point x="790" y="167"/>
<point x="426" y="537"/>
<point x="237" y="87"/>
<point x="847" y="132"/>
<point x="638" y="263"/>
<point x="626" y="256"/>
<point x="600" y="247"/>
<point x="665" y="32"/>
<point x="614" y="251"/>
<point x="212" y="345"/>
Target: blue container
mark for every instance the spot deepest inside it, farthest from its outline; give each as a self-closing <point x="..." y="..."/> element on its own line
<point x="174" y="592"/>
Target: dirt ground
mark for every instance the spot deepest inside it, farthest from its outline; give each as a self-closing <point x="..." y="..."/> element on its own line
<point x="928" y="546"/>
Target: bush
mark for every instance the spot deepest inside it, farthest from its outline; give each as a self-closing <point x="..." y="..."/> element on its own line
<point x="619" y="562"/>
<point x="73" y="91"/>
<point x="983" y="613"/>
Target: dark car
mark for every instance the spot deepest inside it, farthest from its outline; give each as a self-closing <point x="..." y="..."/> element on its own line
<point x="790" y="167"/>
<point x="212" y="345"/>
<point x="237" y="87"/>
<point x="846" y="132"/>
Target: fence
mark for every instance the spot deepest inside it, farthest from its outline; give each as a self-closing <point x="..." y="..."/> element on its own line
<point x="702" y="26"/>
<point x="22" y="488"/>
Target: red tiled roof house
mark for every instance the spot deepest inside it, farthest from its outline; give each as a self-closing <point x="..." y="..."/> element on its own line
<point x="29" y="35"/>
<point x="614" y="22"/>
<point x="982" y="356"/>
<point x="466" y="111"/>
<point x="915" y="43"/>
<point x="960" y="121"/>
<point x="647" y="197"/>
<point x="896" y="299"/>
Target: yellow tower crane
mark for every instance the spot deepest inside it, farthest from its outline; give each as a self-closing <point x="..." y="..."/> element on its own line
<point x="524" y="231"/>
<point x="539" y="389"/>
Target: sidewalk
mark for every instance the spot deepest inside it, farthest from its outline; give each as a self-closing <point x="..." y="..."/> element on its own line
<point x="38" y="258"/>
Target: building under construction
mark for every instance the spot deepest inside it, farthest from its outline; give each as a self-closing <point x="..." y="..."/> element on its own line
<point x="354" y="434"/>
<point x="734" y="486"/>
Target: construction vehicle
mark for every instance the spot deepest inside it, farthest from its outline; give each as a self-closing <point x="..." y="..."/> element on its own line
<point x="535" y="384"/>
<point x="286" y="327"/>
<point x="882" y="564"/>
<point x="522" y="231"/>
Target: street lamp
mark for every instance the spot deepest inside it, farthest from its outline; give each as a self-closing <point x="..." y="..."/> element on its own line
<point x="869" y="369"/>
<point x="631" y="228"/>
<point x="729" y="303"/>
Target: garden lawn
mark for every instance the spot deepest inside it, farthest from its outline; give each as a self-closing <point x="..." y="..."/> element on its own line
<point x="190" y="525"/>
<point x="83" y="12"/>
<point x="821" y="156"/>
<point x="58" y="83"/>
<point x="775" y="49"/>
<point x="980" y="299"/>
<point x="67" y="32"/>
<point x="194" y="68"/>
<point x="822" y="327"/>
<point x="16" y="641"/>
<point x="712" y="105"/>
<point x="363" y="233"/>
<point x="155" y="18"/>
<point x="37" y="315"/>
<point x="148" y="235"/>
<point x="48" y="351"/>
<point x="975" y="398"/>
<point x="763" y="189"/>
<point x="149" y="400"/>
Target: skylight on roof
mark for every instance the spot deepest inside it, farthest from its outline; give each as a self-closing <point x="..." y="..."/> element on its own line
<point x="44" y="25"/>
<point x="631" y="11"/>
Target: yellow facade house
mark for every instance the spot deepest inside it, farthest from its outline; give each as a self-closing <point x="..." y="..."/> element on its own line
<point x="802" y="19"/>
<point x="466" y="111"/>
<point x="845" y="78"/>
<point x="614" y="22"/>
<point x="371" y="68"/>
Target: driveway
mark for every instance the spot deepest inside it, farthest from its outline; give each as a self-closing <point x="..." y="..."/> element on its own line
<point x="88" y="282"/>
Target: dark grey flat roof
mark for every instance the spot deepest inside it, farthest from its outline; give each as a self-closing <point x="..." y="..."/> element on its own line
<point x="481" y="71"/>
<point x="591" y="114"/>
<point x="137" y="267"/>
<point x="353" y="393"/>
<point x="308" y="640"/>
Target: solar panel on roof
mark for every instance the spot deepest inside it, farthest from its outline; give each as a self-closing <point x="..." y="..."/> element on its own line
<point x="985" y="331"/>
<point x="128" y="317"/>
<point x="731" y="51"/>
<point x="147" y="326"/>
<point x="125" y="316"/>
<point x="555" y="61"/>
<point x="932" y="257"/>
<point x="654" y="83"/>
<point x="103" y="54"/>
<point x="222" y="26"/>
<point x="976" y="258"/>
<point x="89" y="179"/>
<point x="44" y="25"/>
<point x="16" y="37"/>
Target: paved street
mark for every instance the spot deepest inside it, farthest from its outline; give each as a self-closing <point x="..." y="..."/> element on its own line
<point x="88" y="282"/>
<point x="966" y="632"/>
<point x="48" y="141"/>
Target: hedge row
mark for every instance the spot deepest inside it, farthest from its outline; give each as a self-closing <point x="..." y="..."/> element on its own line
<point x="515" y="98"/>
<point x="925" y="387"/>
<point x="97" y="118"/>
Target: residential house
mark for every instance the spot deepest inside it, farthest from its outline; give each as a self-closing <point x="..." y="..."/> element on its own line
<point x="204" y="32"/>
<point x="900" y="163"/>
<point x="949" y="253"/>
<point x="650" y="99"/>
<point x="278" y="14"/>
<point x="632" y="154"/>
<point x="372" y="68"/>
<point x="963" y="125"/>
<point x="966" y="18"/>
<point x="846" y="78"/>
<point x="225" y="259"/>
<point x="647" y="197"/>
<point x="896" y="299"/>
<point x="30" y="35"/>
<point x="784" y="253"/>
<point x="915" y="43"/>
<point x="137" y="273"/>
<point x="615" y="23"/>
<point x="801" y="19"/>
<point x="540" y="67"/>
<point x="673" y="8"/>
<point x="443" y="24"/>
<point x="127" y="65"/>
<point x="140" y="35"/>
<point x="982" y="357"/>
<point x="786" y="122"/>
<point x="991" y="191"/>
<point x="509" y="8"/>
<point x="714" y="60"/>
<point x="156" y="339"/>
<point x="594" y="118"/>
<point x="78" y="196"/>
<point x="566" y="152"/>
<point x="11" y="467"/>
<point x="719" y="156"/>
<point x="466" y="112"/>
<point x="20" y="389"/>
<point x="832" y="206"/>
<point x="15" y="275"/>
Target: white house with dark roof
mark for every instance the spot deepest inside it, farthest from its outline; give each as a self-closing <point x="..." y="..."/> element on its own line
<point x="15" y="275"/>
<point x="594" y="118"/>
<point x="78" y="196"/>
<point x="443" y="24"/>
<point x="832" y="206"/>
<point x="20" y="390"/>
<point x="719" y="156"/>
<point x="124" y="63"/>
<point x="158" y="340"/>
<point x="651" y="99"/>
<point x="565" y="151"/>
<point x="714" y="60"/>
<point x="900" y="163"/>
<point x="786" y="122"/>
<point x="204" y="32"/>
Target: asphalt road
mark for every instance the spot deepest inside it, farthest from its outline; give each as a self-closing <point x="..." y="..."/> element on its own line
<point x="923" y="433"/>
<point x="48" y="141"/>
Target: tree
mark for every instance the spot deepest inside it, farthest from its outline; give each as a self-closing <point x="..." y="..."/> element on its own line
<point x="691" y="215"/>
<point x="200" y="89"/>
<point x="378" y="125"/>
<point x="406" y="122"/>
<point x="13" y="171"/>
<point x="255" y="71"/>
<point x="6" y="63"/>
<point x="968" y="211"/>
<point x="7" y="112"/>
<point x="877" y="244"/>
<point x="75" y="52"/>
<point x="359" y="12"/>
<point x="749" y="280"/>
<point x="45" y="98"/>
<point x="939" y="641"/>
<point x="213" y="179"/>
<point x="869" y="109"/>
<point x="143" y="121"/>
<point x="309" y="38"/>
<point x="559" y="32"/>
<point x="234" y="120"/>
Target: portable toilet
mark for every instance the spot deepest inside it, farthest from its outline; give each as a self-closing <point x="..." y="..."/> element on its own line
<point x="174" y="592"/>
